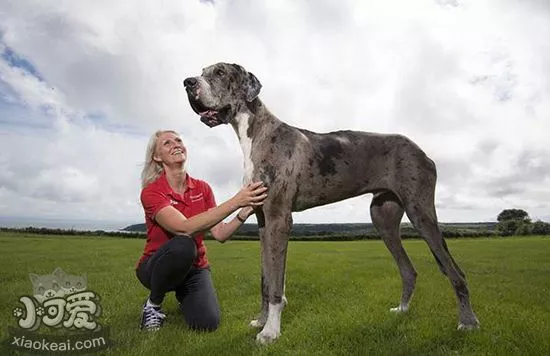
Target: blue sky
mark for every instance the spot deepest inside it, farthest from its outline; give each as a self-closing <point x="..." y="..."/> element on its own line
<point x="15" y="60"/>
<point x="84" y="84"/>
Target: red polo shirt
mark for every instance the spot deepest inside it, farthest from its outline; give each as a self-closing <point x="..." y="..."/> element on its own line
<point x="197" y="198"/>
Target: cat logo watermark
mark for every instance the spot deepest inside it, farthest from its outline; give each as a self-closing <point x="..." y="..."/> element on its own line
<point x="59" y="301"/>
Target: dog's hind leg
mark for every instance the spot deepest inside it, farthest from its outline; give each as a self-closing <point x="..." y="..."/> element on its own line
<point x="386" y="214"/>
<point x="274" y="251"/>
<point x="422" y="215"/>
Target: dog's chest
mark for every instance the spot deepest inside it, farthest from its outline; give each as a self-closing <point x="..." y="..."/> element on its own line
<point x="246" y="146"/>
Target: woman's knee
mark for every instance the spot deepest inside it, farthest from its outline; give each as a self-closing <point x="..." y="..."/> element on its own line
<point x="205" y="322"/>
<point x="201" y="317"/>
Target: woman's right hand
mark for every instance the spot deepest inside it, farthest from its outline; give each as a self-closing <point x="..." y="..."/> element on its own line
<point x="253" y="194"/>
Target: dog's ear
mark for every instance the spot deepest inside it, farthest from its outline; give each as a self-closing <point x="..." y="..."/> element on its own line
<point x="253" y="87"/>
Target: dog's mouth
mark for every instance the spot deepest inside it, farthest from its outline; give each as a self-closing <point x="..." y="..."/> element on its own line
<point x="210" y="117"/>
<point x="213" y="118"/>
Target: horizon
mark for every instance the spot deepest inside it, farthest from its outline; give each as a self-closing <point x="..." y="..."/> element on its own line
<point x="93" y="225"/>
<point x="80" y="224"/>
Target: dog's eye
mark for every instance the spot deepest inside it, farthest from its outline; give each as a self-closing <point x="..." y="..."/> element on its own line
<point x="220" y="73"/>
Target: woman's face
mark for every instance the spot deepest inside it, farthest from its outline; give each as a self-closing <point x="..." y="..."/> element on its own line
<point x="170" y="149"/>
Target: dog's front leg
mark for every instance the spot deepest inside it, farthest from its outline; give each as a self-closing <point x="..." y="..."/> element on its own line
<point x="262" y="318"/>
<point x="274" y="251"/>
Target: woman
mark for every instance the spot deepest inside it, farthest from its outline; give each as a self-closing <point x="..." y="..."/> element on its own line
<point x="178" y="209"/>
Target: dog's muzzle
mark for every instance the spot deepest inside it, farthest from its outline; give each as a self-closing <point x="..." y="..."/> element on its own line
<point x="209" y="116"/>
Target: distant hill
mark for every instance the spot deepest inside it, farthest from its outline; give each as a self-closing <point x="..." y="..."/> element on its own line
<point x="300" y="232"/>
<point x="298" y="229"/>
<point x="357" y="229"/>
<point x="135" y="228"/>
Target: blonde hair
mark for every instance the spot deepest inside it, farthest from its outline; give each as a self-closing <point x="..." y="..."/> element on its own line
<point x="152" y="169"/>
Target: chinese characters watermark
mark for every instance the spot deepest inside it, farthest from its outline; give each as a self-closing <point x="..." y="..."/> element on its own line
<point x="59" y="300"/>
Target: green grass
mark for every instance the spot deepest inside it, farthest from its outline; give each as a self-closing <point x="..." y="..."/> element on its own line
<point x="339" y="295"/>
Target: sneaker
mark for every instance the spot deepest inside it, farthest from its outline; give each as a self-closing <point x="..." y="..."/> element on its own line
<point x="152" y="318"/>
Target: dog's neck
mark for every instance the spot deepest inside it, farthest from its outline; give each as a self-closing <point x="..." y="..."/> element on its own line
<point x="254" y="120"/>
<point x="253" y="124"/>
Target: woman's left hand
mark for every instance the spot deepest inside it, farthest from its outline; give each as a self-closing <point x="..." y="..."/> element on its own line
<point x="246" y="212"/>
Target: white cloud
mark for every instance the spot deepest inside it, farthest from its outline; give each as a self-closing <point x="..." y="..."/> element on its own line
<point x="469" y="81"/>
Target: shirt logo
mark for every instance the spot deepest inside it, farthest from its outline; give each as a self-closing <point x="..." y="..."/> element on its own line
<point x="195" y="198"/>
<point x="173" y="202"/>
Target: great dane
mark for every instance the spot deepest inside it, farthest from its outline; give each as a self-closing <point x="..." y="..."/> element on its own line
<point x="304" y="169"/>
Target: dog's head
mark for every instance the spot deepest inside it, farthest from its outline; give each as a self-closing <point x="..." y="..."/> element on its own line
<point x="220" y="92"/>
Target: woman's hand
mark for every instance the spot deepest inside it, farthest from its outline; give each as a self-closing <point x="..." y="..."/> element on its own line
<point x="246" y="212"/>
<point x="173" y="220"/>
<point x="252" y="195"/>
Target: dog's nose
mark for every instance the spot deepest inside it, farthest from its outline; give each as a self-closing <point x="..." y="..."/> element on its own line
<point x="190" y="82"/>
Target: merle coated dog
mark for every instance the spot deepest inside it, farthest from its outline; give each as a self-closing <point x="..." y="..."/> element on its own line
<point x="304" y="169"/>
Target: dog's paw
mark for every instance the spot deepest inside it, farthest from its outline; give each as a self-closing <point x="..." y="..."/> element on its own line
<point x="474" y="325"/>
<point x="267" y="337"/>
<point x="399" y="309"/>
<point x="467" y="326"/>
<point x="257" y="323"/>
<point x="468" y="322"/>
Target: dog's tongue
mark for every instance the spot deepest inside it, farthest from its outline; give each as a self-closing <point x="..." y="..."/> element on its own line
<point x="209" y="117"/>
<point x="209" y="120"/>
<point x="208" y="113"/>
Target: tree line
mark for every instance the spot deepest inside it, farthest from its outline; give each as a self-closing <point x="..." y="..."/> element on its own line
<point x="510" y="222"/>
<point x="518" y="222"/>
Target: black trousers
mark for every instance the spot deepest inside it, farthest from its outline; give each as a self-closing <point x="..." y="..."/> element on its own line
<point x="171" y="268"/>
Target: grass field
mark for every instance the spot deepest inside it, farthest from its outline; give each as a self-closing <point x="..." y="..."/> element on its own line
<point x="339" y="295"/>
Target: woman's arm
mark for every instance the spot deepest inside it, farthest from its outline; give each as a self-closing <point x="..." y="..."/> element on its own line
<point x="223" y="231"/>
<point x="175" y="222"/>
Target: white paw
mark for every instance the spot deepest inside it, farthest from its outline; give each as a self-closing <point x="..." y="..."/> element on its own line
<point x="256" y="324"/>
<point x="467" y="326"/>
<point x="267" y="337"/>
<point x="399" y="309"/>
<point x="468" y="322"/>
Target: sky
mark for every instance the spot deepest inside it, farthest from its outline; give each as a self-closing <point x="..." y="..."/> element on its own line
<point x="84" y="84"/>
